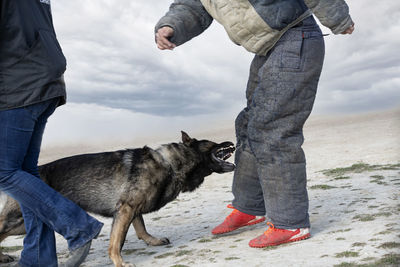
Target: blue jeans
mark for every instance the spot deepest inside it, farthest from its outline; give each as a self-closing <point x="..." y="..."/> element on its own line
<point x="270" y="175"/>
<point x="44" y="210"/>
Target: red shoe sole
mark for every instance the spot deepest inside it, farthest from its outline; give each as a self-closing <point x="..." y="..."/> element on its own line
<point x="279" y="243"/>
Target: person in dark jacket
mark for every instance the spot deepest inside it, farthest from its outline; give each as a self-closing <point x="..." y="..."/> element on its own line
<point x="270" y="174"/>
<point x="31" y="88"/>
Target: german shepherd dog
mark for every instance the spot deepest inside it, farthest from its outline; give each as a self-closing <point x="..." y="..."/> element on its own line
<point x="126" y="184"/>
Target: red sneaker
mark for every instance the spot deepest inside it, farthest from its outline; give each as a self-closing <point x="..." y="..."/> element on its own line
<point x="274" y="236"/>
<point x="236" y="220"/>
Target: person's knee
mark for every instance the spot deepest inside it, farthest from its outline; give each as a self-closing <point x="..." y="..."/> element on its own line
<point x="32" y="170"/>
<point x="6" y="174"/>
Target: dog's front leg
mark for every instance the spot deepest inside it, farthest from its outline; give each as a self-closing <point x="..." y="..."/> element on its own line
<point x="122" y="220"/>
<point x="140" y="228"/>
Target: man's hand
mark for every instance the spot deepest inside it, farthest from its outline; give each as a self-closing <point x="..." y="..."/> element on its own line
<point x="349" y="30"/>
<point x="162" y="36"/>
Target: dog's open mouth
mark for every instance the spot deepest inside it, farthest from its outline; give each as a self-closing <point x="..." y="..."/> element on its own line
<point x="222" y="153"/>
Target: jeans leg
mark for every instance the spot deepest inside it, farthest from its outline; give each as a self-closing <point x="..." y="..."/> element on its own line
<point x="280" y="106"/>
<point x="39" y="242"/>
<point x="52" y="209"/>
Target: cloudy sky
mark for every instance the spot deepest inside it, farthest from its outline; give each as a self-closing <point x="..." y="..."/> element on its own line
<point x="120" y="85"/>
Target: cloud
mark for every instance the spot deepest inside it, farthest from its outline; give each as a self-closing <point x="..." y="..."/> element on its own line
<point x="361" y="70"/>
<point x="118" y="79"/>
<point x="93" y="124"/>
<point x="113" y="61"/>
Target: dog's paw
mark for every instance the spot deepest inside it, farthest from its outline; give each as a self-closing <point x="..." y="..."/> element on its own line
<point x="152" y="241"/>
<point x="164" y="241"/>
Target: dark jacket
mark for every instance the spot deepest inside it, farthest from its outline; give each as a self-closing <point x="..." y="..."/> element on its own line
<point x="254" y="24"/>
<point x="31" y="60"/>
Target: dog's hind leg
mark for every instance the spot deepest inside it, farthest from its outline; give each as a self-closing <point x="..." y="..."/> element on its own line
<point x="11" y="223"/>
<point x="140" y="228"/>
<point x="120" y="226"/>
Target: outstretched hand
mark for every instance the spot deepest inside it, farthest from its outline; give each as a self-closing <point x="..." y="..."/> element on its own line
<point x="349" y="30"/>
<point x="162" y="36"/>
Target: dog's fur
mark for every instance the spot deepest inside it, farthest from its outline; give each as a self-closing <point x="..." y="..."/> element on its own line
<point x="126" y="184"/>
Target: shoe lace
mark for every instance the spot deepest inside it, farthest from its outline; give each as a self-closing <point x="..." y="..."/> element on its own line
<point x="233" y="212"/>
<point x="272" y="228"/>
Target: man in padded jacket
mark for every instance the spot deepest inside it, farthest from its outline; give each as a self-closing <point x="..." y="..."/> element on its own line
<point x="270" y="175"/>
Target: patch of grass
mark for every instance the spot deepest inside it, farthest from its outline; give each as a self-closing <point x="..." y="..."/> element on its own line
<point x="270" y="248"/>
<point x="368" y="198"/>
<point x="346" y="186"/>
<point x="165" y="255"/>
<point x="359" y="168"/>
<point x="322" y="186"/>
<point x="374" y="239"/>
<point x="342" y="178"/>
<point x="183" y="253"/>
<point x="378" y="181"/>
<point x="204" y="240"/>
<point x="148" y="253"/>
<point x="340" y="238"/>
<point x="345" y="264"/>
<point x="378" y="177"/>
<point x="353" y="203"/>
<point x="340" y="231"/>
<point x="358" y="244"/>
<point x="388" y="260"/>
<point x="347" y="254"/>
<point x="156" y="218"/>
<point x="373" y="207"/>
<point x="391" y="167"/>
<point x="368" y="259"/>
<point x="232" y="258"/>
<point x="11" y="249"/>
<point x="349" y="211"/>
<point x="386" y="232"/>
<point x="370" y="217"/>
<point x="355" y="168"/>
<point x="390" y="245"/>
<point x="364" y="217"/>
<point x="131" y="251"/>
<point x="238" y="240"/>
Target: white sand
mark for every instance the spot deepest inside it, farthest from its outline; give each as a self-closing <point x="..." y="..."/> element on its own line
<point x="357" y="216"/>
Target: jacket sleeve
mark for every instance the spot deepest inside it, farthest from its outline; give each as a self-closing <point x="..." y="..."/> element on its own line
<point x="188" y="18"/>
<point x="333" y="14"/>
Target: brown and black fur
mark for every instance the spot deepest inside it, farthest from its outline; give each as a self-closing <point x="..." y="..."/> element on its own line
<point x="126" y="184"/>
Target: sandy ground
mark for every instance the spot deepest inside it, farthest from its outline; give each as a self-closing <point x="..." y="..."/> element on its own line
<point x="353" y="179"/>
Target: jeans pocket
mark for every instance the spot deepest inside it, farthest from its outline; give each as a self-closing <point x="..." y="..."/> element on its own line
<point x="291" y="54"/>
<point x="38" y="109"/>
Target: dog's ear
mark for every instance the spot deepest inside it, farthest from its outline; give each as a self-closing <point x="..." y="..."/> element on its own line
<point x="186" y="138"/>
